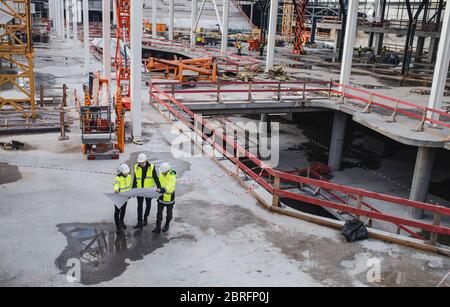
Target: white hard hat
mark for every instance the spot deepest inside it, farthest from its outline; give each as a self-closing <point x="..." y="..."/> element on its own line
<point x="164" y="167"/>
<point x="124" y="169"/>
<point x="142" y="158"/>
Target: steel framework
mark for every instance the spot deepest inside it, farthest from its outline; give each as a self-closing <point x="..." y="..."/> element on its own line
<point x="16" y="50"/>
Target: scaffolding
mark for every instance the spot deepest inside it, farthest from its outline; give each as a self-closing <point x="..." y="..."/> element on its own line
<point x="16" y="57"/>
<point x="288" y="22"/>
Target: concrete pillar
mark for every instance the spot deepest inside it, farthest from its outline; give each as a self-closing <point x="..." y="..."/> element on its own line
<point x="61" y="14"/>
<point x="136" y="31"/>
<point x="86" y="33"/>
<point x="264" y="118"/>
<point x="51" y="13"/>
<point x="154" y="11"/>
<point x="58" y="19"/>
<point x="225" y="24"/>
<point x="74" y="21"/>
<point x="67" y="19"/>
<point x="106" y="21"/>
<point x="421" y="178"/>
<point x="171" y="18"/>
<point x="337" y="140"/>
<point x="79" y="11"/>
<point x="272" y="37"/>
<point x="441" y="68"/>
<point x="349" y="42"/>
<point x="251" y="11"/>
<point x="419" y="48"/>
<point x="114" y="20"/>
<point x="432" y="50"/>
<point x="193" y="20"/>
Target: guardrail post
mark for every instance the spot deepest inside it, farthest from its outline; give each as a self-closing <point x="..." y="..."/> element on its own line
<point x="359" y="201"/>
<point x="236" y="151"/>
<point x="368" y="108"/>
<point x="173" y="90"/>
<point x="275" y="197"/>
<point x="279" y="91"/>
<point x="330" y="88"/>
<point x="63" y="135"/>
<point x="436" y="222"/>
<point x="213" y="139"/>
<point x="420" y="126"/>
<point x="219" y="99"/>
<point x="304" y="90"/>
<point x="393" y="117"/>
<point x="250" y="98"/>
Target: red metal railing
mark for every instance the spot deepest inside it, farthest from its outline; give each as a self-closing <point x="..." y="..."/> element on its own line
<point x="210" y="135"/>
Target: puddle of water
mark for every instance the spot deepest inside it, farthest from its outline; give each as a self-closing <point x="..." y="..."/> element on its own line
<point x="9" y="173"/>
<point x="103" y="253"/>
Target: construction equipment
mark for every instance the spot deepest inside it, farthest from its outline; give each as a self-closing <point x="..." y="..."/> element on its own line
<point x="190" y="70"/>
<point x="100" y="135"/>
<point x="16" y="56"/>
<point x="121" y="62"/>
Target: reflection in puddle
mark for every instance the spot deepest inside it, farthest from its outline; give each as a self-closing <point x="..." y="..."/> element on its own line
<point x="103" y="253"/>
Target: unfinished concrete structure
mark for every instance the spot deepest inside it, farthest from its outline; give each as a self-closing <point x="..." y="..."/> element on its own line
<point x="225" y="187"/>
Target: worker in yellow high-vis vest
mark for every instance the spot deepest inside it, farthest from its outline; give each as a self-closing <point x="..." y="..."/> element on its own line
<point x="145" y="176"/>
<point x="122" y="183"/>
<point x="168" y="180"/>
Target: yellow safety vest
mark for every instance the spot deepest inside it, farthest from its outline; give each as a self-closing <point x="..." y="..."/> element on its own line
<point x="149" y="182"/>
<point x="122" y="184"/>
<point x="168" y="182"/>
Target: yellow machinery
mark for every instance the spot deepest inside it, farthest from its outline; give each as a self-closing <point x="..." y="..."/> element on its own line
<point x="16" y="56"/>
<point x="202" y="69"/>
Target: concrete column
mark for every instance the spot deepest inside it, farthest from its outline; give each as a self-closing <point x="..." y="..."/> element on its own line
<point x="419" y="48"/>
<point x="136" y="32"/>
<point x="86" y="33"/>
<point x="349" y="42"/>
<point x="171" y="18"/>
<point x="193" y="19"/>
<point x="61" y="14"/>
<point x="421" y="178"/>
<point x="272" y="37"/>
<point x="225" y="24"/>
<point x="114" y="20"/>
<point x="154" y="10"/>
<point x="51" y="13"/>
<point x="67" y="19"/>
<point x="58" y="19"/>
<point x="441" y="68"/>
<point x="251" y="11"/>
<point x="432" y="50"/>
<point x="106" y="21"/>
<point x="74" y="21"/>
<point x="79" y="11"/>
<point x="337" y="140"/>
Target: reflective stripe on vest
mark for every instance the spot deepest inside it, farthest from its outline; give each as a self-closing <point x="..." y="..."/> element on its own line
<point x="149" y="182"/>
<point x="123" y="184"/>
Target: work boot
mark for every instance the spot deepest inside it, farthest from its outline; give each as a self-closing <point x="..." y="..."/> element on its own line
<point x="166" y="227"/>
<point x="139" y="225"/>
<point x="157" y="230"/>
<point x="123" y="225"/>
<point x="145" y="222"/>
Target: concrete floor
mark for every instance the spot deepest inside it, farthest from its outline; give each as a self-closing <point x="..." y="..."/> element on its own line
<point x="51" y="198"/>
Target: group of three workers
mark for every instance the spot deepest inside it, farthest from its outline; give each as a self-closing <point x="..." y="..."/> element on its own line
<point x="146" y="176"/>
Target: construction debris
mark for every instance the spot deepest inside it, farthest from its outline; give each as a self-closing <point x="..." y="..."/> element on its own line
<point x="277" y="73"/>
<point x="14" y="145"/>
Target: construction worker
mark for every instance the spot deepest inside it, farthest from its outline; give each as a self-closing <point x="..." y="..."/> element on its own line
<point x="239" y="47"/>
<point x="167" y="178"/>
<point x="145" y="176"/>
<point x="261" y="48"/>
<point x="122" y="184"/>
<point x="199" y="40"/>
<point x="360" y="51"/>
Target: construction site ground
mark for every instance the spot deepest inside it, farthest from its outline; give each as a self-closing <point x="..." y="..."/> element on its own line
<point x="52" y="203"/>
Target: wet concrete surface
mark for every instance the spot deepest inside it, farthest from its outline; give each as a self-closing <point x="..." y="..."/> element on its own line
<point x="105" y="254"/>
<point x="9" y="173"/>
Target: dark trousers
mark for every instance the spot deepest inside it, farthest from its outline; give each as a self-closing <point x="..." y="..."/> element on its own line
<point x="119" y="214"/>
<point x="159" y="215"/>
<point x="148" y="206"/>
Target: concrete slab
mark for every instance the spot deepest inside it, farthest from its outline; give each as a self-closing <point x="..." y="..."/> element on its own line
<point x="52" y="203"/>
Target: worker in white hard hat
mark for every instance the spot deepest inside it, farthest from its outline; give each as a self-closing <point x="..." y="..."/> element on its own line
<point x="168" y="179"/>
<point x="122" y="184"/>
<point x="145" y="176"/>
